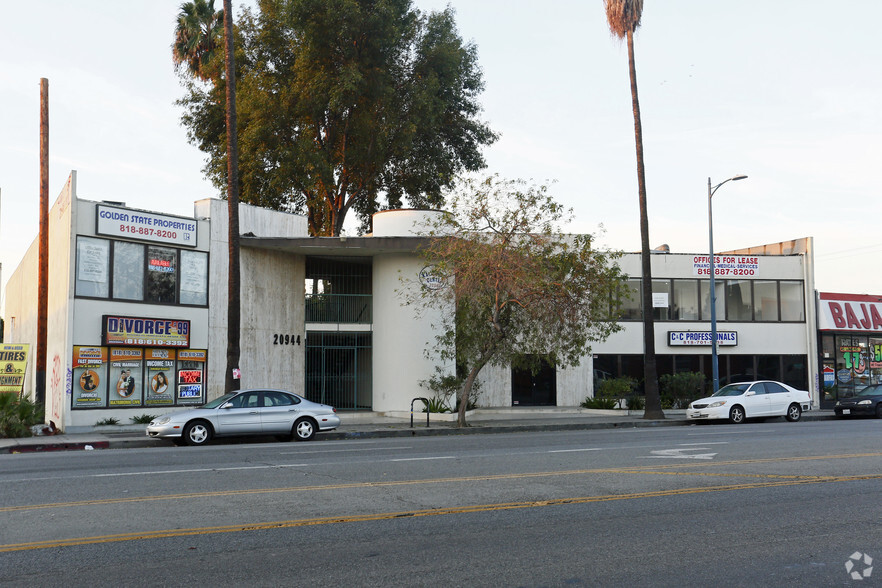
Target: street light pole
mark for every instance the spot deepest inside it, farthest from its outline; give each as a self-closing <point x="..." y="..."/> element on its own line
<point x="713" y="290"/>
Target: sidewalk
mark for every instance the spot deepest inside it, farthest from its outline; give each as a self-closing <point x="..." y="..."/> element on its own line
<point x="374" y="425"/>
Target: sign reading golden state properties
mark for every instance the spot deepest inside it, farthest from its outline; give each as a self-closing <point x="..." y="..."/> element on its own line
<point x="13" y="364"/>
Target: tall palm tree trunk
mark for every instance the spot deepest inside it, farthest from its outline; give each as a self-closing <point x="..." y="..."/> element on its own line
<point x="653" y="408"/>
<point x="234" y="307"/>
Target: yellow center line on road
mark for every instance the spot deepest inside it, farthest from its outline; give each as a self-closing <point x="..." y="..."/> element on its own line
<point x="654" y="469"/>
<point x="166" y="533"/>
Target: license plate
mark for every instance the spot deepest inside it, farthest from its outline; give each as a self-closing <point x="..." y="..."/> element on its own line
<point x="846" y="411"/>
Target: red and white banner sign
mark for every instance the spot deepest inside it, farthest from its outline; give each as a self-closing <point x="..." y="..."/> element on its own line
<point x="849" y="312"/>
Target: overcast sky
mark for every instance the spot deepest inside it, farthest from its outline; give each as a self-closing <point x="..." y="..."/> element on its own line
<point x="787" y="92"/>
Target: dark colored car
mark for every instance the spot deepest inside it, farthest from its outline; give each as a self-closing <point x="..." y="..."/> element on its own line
<point x="867" y="402"/>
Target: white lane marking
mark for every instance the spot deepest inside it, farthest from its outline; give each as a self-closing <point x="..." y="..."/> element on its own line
<point x="712" y="443"/>
<point x="572" y="450"/>
<point x="424" y="458"/>
<point x="196" y="471"/>
<point x="747" y="432"/>
<point x="678" y="454"/>
<point x="340" y="450"/>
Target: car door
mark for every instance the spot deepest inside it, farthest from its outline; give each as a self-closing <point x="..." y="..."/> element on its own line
<point x="779" y="398"/>
<point x="279" y="412"/>
<point x="242" y="415"/>
<point x="757" y="401"/>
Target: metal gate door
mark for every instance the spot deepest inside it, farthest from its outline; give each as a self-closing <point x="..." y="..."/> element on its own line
<point x="338" y="369"/>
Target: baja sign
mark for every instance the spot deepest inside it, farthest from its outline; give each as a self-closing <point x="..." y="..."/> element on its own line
<point x="849" y="312"/>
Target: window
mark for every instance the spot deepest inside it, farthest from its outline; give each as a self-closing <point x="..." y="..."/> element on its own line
<point x="128" y="271"/>
<point x="93" y="260"/>
<point x="662" y="287"/>
<point x="631" y="305"/>
<point x="121" y="270"/>
<point x="194" y="277"/>
<point x="685" y="304"/>
<point x="161" y="262"/>
<point x="719" y="286"/>
<point x="739" y="306"/>
<point x="765" y="300"/>
<point x="792" y="303"/>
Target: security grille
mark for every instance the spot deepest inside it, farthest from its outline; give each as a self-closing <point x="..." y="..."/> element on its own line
<point x="338" y="369"/>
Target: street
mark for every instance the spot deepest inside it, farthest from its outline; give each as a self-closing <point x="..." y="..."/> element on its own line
<point x="768" y="503"/>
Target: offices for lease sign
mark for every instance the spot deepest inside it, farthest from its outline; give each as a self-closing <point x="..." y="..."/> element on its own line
<point x="726" y="266"/>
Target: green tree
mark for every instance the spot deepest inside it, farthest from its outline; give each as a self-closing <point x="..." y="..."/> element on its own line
<point x="346" y="105"/>
<point x="517" y="290"/>
<point x="623" y="17"/>
<point x="196" y="46"/>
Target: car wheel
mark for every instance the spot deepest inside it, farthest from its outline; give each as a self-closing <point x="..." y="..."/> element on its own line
<point x="736" y="415"/>
<point x="197" y="433"/>
<point x="794" y="411"/>
<point x="304" y="429"/>
<point x="879" y="411"/>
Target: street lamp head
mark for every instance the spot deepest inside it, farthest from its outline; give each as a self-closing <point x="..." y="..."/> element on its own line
<point x="739" y="177"/>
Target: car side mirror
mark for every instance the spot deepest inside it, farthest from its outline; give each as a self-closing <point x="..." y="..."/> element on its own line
<point x="750" y="393"/>
<point x="227" y="405"/>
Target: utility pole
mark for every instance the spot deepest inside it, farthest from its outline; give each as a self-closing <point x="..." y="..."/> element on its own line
<point x="43" y="272"/>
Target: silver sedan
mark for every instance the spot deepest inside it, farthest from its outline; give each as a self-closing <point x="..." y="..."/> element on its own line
<point x="247" y="412"/>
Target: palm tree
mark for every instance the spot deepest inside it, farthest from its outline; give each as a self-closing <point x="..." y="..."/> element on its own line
<point x="623" y="17"/>
<point x="233" y="310"/>
<point x="197" y="36"/>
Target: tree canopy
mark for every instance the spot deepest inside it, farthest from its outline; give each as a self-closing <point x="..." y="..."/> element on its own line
<point x="344" y="105"/>
<point x="517" y="288"/>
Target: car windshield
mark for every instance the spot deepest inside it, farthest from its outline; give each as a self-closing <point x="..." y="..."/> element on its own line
<point x="732" y="390"/>
<point x="218" y="401"/>
<point x="871" y="391"/>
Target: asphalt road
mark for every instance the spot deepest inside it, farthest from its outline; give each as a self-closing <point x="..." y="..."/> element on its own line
<point x="759" y="504"/>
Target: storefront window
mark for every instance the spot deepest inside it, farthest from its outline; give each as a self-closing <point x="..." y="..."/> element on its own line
<point x="161" y="264"/>
<point x="661" y="313"/>
<point x="630" y="306"/>
<point x="685" y="305"/>
<point x="738" y="300"/>
<point x="765" y="300"/>
<point x="93" y="262"/>
<point x="128" y="271"/>
<point x="194" y="277"/>
<point x="792" y="302"/>
<point x="705" y="300"/>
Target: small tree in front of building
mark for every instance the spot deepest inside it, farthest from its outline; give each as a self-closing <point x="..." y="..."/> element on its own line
<point x="515" y="289"/>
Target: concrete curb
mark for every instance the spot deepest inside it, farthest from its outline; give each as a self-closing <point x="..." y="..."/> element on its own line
<point x="133" y="439"/>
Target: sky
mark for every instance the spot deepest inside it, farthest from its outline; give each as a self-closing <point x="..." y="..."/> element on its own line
<point x="787" y="92"/>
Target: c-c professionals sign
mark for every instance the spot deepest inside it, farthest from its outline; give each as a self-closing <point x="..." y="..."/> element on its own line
<point x="121" y="331"/>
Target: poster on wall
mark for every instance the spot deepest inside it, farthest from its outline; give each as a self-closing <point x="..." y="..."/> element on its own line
<point x="159" y="383"/>
<point x="89" y="376"/>
<point x="191" y="376"/>
<point x="13" y="365"/>
<point x="126" y="373"/>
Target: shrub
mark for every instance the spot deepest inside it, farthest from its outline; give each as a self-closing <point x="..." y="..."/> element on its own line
<point x="17" y="415"/>
<point x="107" y="421"/>
<point x="616" y="388"/>
<point x="445" y="387"/>
<point x="678" y="390"/>
<point x="142" y="419"/>
<point x="600" y="403"/>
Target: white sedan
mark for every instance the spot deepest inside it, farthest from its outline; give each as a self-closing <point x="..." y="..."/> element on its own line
<point x="746" y="400"/>
<point x="247" y="412"/>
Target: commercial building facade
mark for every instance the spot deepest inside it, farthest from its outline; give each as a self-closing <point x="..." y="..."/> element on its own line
<point x="138" y="311"/>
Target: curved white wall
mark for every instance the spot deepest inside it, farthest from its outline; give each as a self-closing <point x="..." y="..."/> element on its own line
<point x="400" y="339"/>
<point x="402" y="223"/>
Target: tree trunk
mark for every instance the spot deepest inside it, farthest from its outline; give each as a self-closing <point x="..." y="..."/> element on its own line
<point x="464" y="395"/>
<point x="653" y="408"/>
<point x="233" y="284"/>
